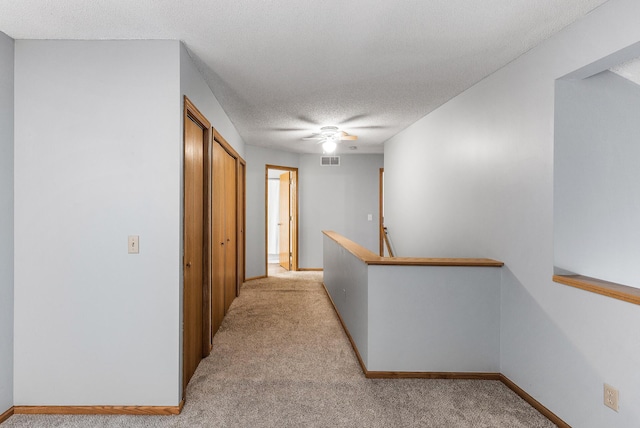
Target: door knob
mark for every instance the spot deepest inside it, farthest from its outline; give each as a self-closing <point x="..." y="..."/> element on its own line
<point x="188" y="264"/>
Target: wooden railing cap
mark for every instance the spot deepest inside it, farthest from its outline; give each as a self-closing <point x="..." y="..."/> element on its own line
<point x="370" y="258"/>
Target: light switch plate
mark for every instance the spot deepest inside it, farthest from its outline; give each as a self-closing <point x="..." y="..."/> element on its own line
<point x="134" y="244"/>
<point x="370" y="217"/>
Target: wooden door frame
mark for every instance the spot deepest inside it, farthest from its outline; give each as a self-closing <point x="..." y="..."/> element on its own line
<point x="381" y="210"/>
<point x="295" y="211"/>
<point x="242" y="220"/>
<point x="191" y="112"/>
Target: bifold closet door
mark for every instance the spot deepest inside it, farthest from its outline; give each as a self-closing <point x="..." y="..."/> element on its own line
<point x="218" y="238"/>
<point x="231" y="217"/>
<point x="225" y="240"/>
<point x="195" y="231"/>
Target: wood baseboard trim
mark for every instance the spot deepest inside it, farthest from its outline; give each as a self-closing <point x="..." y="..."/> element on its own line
<point x="533" y="402"/>
<point x="253" y="278"/>
<point x="6" y="415"/>
<point x="433" y="375"/>
<point x="310" y="269"/>
<point x="99" y="410"/>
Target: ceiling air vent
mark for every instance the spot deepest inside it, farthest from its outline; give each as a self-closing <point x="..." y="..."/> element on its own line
<point x="330" y="161"/>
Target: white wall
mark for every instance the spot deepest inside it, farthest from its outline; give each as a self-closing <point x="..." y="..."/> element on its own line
<point x="338" y="199"/>
<point x="596" y="196"/>
<point x="331" y="198"/>
<point x="475" y="177"/>
<point x="6" y="222"/>
<point x="97" y="157"/>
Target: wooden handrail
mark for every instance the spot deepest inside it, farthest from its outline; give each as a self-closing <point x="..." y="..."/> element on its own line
<point x="386" y="241"/>
<point x="371" y="258"/>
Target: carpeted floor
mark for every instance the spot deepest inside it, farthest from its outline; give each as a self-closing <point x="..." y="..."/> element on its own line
<point x="281" y="359"/>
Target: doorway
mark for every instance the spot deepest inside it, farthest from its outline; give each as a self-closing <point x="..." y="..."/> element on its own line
<point x="281" y="218"/>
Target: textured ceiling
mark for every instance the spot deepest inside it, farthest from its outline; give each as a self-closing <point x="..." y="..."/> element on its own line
<point x="282" y="69"/>
<point x="630" y="70"/>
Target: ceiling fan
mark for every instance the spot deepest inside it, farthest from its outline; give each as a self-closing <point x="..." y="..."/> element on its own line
<point x="330" y="136"/>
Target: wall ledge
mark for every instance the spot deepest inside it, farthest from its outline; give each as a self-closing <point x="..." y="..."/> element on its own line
<point x="598" y="286"/>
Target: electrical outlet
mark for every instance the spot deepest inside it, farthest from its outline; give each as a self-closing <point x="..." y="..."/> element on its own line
<point x="611" y="397"/>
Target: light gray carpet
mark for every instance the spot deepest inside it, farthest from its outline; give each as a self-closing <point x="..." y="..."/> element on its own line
<point x="281" y="359"/>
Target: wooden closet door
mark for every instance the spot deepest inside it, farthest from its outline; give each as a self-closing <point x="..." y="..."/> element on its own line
<point x="241" y="224"/>
<point x="230" y="214"/>
<point x="195" y="140"/>
<point x="218" y="238"/>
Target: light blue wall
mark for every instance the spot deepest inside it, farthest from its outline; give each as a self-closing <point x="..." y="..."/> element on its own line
<point x="331" y="198"/>
<point x="338" y="199"/>
<point x="475" y="178"/>
<point x="596" y="197"/>
<point x="346" y="278"/>
<point x="434" y="318"/>
<point x="6" y="222"/>
<point x="193" y="85"/>
<point x="417" y="318"/>
<point x="97" y="157"/>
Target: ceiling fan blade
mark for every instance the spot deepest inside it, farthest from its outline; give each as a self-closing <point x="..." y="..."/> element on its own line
<point x="349" y="137"/>
<point x="314" y="138"/>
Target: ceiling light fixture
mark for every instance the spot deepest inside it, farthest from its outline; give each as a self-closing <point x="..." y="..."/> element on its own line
<point x="329" y="146"/>
<point x="329" y="137"/>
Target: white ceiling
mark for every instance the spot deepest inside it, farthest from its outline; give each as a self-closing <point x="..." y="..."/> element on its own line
<point x="282" y="69"/>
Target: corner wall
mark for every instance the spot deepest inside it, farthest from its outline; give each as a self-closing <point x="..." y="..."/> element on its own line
<point x="596" y="210"/>
<point x="6" y="221"/>
<point x="475" y="178"/>
<point x="97" y="158"/>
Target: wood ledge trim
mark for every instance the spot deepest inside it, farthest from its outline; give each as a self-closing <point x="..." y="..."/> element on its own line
<point x="310" y="269"/>
<point x="98" y="410"/>
<point x="6" y="415"/>
<point x="605" y="288"/>
<point x="370" y="258"/>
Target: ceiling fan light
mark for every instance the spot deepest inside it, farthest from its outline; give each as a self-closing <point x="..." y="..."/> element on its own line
<point x="329" y="146"/>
